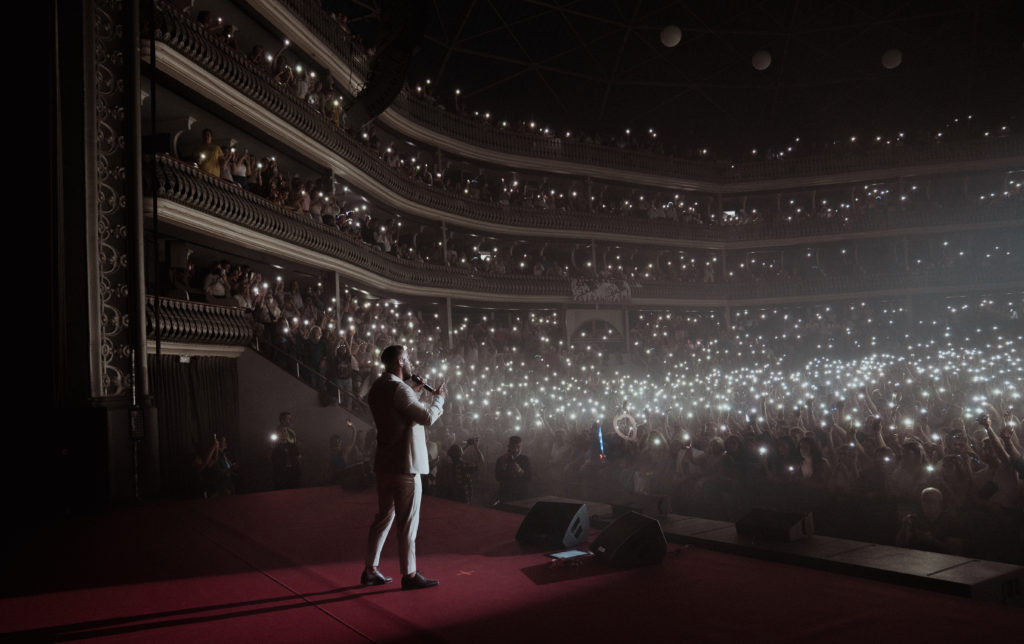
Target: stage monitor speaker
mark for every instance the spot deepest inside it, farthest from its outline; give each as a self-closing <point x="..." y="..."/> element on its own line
<point x="770" y="525"/>
<point x="554" y="524"/>
<point x="631" y="540"/>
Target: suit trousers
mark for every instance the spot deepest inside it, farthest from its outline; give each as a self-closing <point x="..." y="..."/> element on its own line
<point x="398" y="497"/>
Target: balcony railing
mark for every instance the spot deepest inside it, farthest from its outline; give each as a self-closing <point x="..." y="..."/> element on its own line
<point x="201" y="323"/>
<point x="181" y="33"/>
<point x="187" y="185"/>
<point x="191" y="187"/>
<point x="198" y="323"/>
<point x="484" y="135"/>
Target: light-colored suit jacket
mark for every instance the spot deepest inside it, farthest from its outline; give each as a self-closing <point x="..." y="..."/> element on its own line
<point x="400" y="418"/>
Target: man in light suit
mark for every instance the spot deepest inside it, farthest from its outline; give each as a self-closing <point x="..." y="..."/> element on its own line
<point x="401" y="459"/>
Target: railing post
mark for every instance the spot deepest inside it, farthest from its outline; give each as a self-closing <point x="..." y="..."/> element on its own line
<point x="444" y="243"/>
<point x="337" y="302"/>
<point x="448" y="320"/>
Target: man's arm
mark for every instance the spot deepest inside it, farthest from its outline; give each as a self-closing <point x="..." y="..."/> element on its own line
<point x="408" y="404"/>
<point x="505" y="468"/>
<point x="524" y="463"/>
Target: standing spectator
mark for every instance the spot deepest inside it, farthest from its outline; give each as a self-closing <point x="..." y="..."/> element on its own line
<point x="336" y="460"/>
<point x="242" y="169"/>
<point x="472" y="462"/>
<point x="317" y="352"/>
<point x="216" y="285"/>
<point x="285" y="456"/>
<point x="934" y="528"/>
<point x="513" y="471"/>
<point x="209" y="156"/>
<point x="344" y="365"/>
<point x="223" y="469"/>
<point x="454" y="481"/>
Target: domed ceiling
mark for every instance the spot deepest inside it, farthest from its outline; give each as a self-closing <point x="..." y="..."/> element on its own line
<point x="737" y="73"/>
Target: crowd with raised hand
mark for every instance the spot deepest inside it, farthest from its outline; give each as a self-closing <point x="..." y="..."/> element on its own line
<point x="880" y="429"/>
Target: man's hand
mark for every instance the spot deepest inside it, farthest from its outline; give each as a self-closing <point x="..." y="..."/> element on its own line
<point x="441" y="390"/>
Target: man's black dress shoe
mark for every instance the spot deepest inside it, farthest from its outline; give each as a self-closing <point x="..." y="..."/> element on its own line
<point x="374" y="579"/>
<point x="417" y="581"/>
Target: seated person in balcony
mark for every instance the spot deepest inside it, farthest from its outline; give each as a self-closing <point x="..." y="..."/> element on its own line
<point x="258" y="59"/>
<point x="209" y="156"/>
<point x="216" y="285"/>
<point x="179" y="288"/>
<point x="206" y="21"/>
<point x="282" y="72"/>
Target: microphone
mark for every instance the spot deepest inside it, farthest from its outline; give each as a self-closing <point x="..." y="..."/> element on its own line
<point x="419" y="381"/>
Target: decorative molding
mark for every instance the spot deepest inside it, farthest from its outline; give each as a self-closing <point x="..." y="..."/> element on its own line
<point x="111" y="34"/>
<point x="194" y="350"/>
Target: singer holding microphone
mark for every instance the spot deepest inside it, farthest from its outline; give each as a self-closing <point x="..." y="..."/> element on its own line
<point x="401" y="458"/>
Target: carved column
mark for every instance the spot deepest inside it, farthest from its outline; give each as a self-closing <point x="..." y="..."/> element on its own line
<point x="116" y="216"/>
<point x="102" y="314"/>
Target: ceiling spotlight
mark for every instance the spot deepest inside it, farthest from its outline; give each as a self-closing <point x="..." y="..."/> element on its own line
<point x="671" y="35"/>
<point x="761" y="60"/>
<point x="892" y="58"/>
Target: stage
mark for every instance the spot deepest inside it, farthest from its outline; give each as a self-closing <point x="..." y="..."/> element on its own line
<point x="284" y="567"/>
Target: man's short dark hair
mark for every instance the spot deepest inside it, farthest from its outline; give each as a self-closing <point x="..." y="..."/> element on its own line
<point x="391" y="355"/>
<point x="515" y="440"/>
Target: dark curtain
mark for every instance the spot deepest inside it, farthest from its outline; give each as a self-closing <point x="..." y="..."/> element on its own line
<point x="195" y="400"/>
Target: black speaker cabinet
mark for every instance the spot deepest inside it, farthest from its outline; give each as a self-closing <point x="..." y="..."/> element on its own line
<point x="554" y="524"/>
<point x="770" y="525"/>
<point x="631" y="540"/>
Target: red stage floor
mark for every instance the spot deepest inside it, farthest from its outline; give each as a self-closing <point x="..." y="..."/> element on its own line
<point x="284" y="567"/>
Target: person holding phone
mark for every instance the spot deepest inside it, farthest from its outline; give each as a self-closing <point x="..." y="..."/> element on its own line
<point x="996" y="481"/>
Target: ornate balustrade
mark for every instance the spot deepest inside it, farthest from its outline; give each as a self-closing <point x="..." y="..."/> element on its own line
<point x="186" y="185"/>
<point x="181" y="33"/>
<point x="198" y="323"/>
<point x="189" y="186"/>
<point x="331" y="33"/>
<point x="484" y="135"/>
